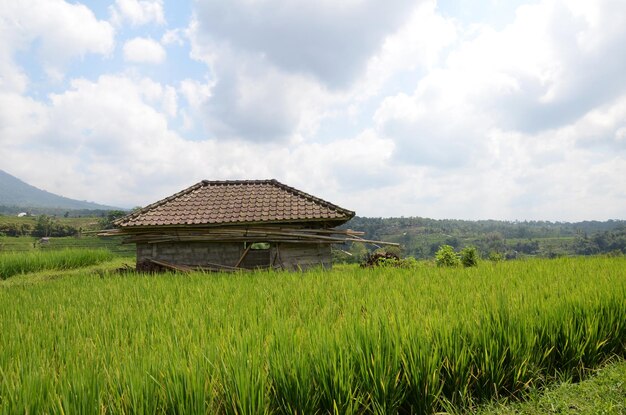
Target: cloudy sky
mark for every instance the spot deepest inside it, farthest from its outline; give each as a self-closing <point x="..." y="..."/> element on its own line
<point x="466" y="109"/>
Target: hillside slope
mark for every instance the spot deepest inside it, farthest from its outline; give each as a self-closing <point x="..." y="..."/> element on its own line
<point x="15" y="192"/>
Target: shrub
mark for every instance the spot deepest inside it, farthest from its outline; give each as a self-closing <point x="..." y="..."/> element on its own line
<point x="469" y="256"/>
<point x="495" y="256"/>
<point x="381" y="259"/>
<point x="446" y="257"/>
<point x="409" y="262"/>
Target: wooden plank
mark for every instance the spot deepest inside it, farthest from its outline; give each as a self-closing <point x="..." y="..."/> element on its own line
<point x="169" y="265"/>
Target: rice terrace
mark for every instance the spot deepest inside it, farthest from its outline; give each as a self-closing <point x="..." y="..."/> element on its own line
<point x="84" y="333"/>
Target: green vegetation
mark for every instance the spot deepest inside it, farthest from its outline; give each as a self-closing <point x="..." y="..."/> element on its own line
<point x="422" y="237"/>
<point x="446" y="257"/>
<point x="46" y="226"/>
<point x="605" y="393"/>
<point x="13" y="263"/>
<point x="23" y="234"/>
<point x="352" y="340"/>
<point x="31" y="244"/>
<point x="469" y="256"/>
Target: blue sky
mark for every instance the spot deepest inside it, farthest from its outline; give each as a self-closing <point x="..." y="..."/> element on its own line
<point x="445" y="109"/>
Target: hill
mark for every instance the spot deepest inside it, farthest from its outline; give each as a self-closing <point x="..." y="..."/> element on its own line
<point x="422" y="237"/>
<point x="15" y="193"/>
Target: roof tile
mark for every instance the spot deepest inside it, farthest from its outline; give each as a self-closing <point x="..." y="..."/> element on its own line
<point x="236" y="201"/>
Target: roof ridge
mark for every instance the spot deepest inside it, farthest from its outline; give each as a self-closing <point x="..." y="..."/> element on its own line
<point x="220" y="182"/>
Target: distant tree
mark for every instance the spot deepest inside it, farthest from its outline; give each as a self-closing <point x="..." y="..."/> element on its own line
<point x="43" y="226"/>
<point x="358" y="251"/>
<point x="527" y="247"/>
<point x="453" y="241"/>
<point x="107" y="221"/>
<point x="583" y="245"/>
<point x="26" y="228"/>
<point x="494" y="242"/>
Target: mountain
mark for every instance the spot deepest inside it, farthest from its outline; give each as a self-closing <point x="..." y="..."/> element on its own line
<point x="16" y="193"/>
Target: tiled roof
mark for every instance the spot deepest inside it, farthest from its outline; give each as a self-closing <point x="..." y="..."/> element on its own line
<point x="236" y="202"/>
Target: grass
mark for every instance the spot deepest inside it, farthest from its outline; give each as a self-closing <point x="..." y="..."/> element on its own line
<point x="347" y="341"/>
<point x="14" y="263"/>
<point x="604" y="393"/>
<point x="85" y="222"/>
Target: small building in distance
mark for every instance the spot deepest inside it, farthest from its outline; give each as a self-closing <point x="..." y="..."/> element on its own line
<point x="237" y="224"/>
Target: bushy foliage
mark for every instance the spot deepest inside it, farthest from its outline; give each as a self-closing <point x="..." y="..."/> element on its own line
<point x="112" y="215"/>
<point x="15" y="229"/>
<point x="469" y="256"/>
<point x="48" y="226"/>
<point x="495" y="256"/>
<point x="446" y="257"/>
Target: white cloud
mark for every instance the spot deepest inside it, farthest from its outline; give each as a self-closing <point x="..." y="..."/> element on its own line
<point x="137" y="12"/>
<point x="423" y="115"/>
<point x="119" y="121"/>
<point x="112" y="122"/>
<point x="331" y="41"/>
<point x="252" y="99"/>
<point x="522" y="122"/>
<point x="143" y="50"/>
<point x="195" y="92"/>
<point x="530" y="77"/>
<point x="52" y="30"/>
<point x="417" y="44"/>
<point x="276" y="91"/>
<point x="174" y="36"/>
<point x="20" y="119"/>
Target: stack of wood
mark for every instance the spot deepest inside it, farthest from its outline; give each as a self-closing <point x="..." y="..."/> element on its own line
<point x="376" y="259"/>
<point x="241" y="234"/>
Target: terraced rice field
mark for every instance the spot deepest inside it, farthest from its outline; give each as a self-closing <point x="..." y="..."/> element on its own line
<point x="347" y="341"/>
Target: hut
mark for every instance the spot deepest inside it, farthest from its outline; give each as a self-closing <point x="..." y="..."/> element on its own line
<point x="236" y="224"/>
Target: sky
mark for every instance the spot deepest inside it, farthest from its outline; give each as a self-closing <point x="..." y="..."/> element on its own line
<point x="462" y="109"/>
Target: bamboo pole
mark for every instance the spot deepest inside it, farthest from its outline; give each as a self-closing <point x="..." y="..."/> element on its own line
<point x="243" y="255"/>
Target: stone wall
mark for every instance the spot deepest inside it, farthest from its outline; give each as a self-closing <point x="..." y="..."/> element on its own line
<point x="206" y="254"/>
<point x="191" y="253"/>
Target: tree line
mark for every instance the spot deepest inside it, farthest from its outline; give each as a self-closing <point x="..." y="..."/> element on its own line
<point x="421" y="238"/>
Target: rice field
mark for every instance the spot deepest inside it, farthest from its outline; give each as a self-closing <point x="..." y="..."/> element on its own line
<point x="29" y="244"/>
<point x="13" y="263"/>
<point x="350" y="341"/>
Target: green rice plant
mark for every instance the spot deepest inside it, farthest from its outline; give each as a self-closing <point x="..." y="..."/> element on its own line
<point x="13" y="263"/>
<point x="353" y="340"/>
<point x="421" y="364"/>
